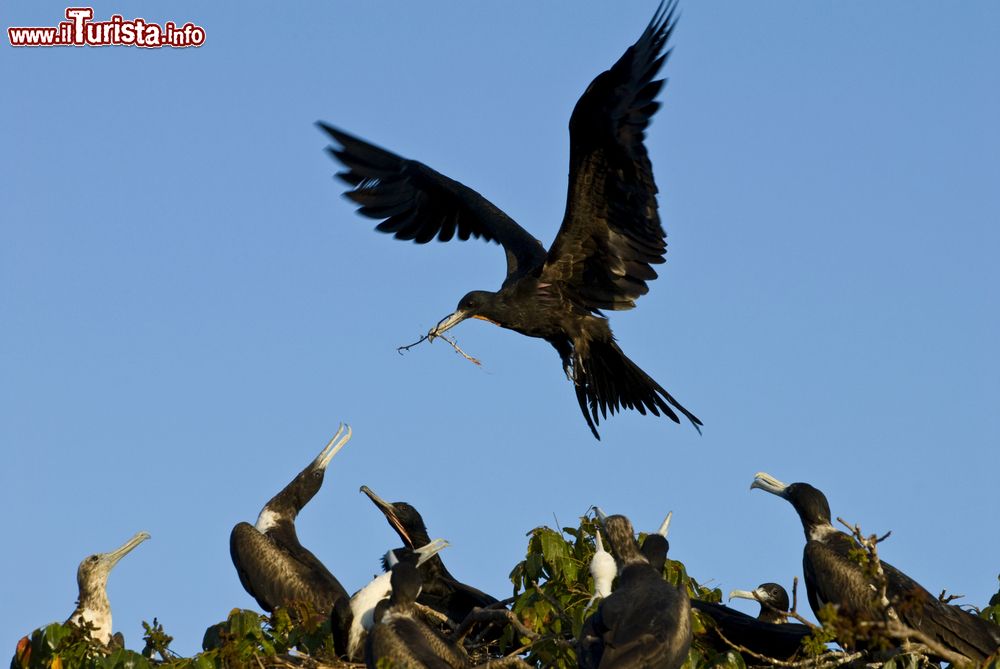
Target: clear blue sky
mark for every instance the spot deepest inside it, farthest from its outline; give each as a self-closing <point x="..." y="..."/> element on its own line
<point x="189" y="308"/>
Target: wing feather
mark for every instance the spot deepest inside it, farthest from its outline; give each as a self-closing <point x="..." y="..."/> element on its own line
<point x="274" y="578"/>
<point x="611" y="232"/>
<point x="420" y="204"/>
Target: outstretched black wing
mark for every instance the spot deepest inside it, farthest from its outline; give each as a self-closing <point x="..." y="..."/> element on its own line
<point x="420" y="204"/>
<point x="611" y="233"/>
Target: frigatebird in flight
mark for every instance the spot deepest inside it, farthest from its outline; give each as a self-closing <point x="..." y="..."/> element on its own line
<point x="602" y="257"/>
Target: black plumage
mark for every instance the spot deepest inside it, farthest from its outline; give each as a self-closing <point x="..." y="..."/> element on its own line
<point x="773" y="600"/>
<point x="646" y="622"/>
<point x="274" y="567"/>
<point x="401" y="638"/>
<point x="441" y="591"/>
<point x="834" y="576"/>
<point x="768" y="634"/>
<point x="601" y="258"/>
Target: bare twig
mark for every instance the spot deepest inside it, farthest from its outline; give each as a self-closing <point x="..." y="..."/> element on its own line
<point x="454" y="345"/>
<point x="400" y="349"/>
<point x="901" y="632"/>
<point x="480" y="615"/>
<point x="428" y="612"/>
<point x="945" y="598"/>
<point x="794" y="613"/>
<point x="831" y="658"/>
<point x="509" y="662"/>
<point x="452" y="342"/>
<point x="870" y="544"/>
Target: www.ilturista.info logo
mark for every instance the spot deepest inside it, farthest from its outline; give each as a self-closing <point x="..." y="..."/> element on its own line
<point x="80" y="30"/>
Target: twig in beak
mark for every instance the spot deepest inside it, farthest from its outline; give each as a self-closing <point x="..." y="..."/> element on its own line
<point x="454" y="345"/>
<point x="452" y="342"/>
<point x="400" y="349"/>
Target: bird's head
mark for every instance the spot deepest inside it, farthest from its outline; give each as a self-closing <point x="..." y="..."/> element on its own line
<point x="621" y="539"/>
<point x="92" y="574"/>
<point x="307" y="483"/>
<point x="655" y="546"/>
<point x="481" y="304"/>
<point x="769" y="595"/>
<point x="403" y="518"/>
<point x="809" y="502"/>
<point x="406" y="583"/>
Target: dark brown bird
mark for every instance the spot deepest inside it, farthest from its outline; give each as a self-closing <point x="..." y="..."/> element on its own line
<point x="602" y="256"/>
<point x="400" y="638"/>
<point x="773" y="600"/>
<point x="834" y="577"/>
<point x="768" y="634"/>
<point x="645" y="623"/>
<point x="273" y="565"/>
<point x="440" y="590"/>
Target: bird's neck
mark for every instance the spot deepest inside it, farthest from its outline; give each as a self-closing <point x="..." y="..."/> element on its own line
<point x="275" y="519"/>
<point x="769" y="615"/>
<point x="94" y="607"/>
<point x="820" y="531"/>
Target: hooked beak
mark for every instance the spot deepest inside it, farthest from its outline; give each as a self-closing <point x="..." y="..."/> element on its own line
<point x="601" y="516"/>
<point x="745" y="594"/>
<point x="390" y="513"/>
<point x="768" y="483"/>
<point x="338" y="442"/>
<point x="665" y="527"/>
<point x="447" y="323"/>
<point x="114" y="556"/>
<point x="430" y="550"/>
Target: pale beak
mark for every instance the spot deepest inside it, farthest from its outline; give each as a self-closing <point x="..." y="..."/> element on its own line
<point x="447" y="323"/>
<point x="114" y="556"/>
<point x="338" y="442"/>
<point x="665" y="527"/>
<point x="430" y="550"/>
<point x="768" y="483"/>
<point x="743" y="594"/>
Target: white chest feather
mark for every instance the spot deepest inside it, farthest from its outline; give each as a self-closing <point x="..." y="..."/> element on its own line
<point x="363" y="608"/>
<point x="603" y="569"/>
<point x="101" y="620"/>
<point x="266" y="520"/>
<point x="821" y="532"/>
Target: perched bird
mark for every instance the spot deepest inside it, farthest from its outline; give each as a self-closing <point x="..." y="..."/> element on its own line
<point x="441" y="591"/>
<point x="655" y="546"/>
<point x="365" y="600"/>
<point x="400" y="638"/>
<point x="646" y="622"/>
<point x="602" y="256"/>
<point x="773" y="599"/>
<point x="768" y="634"/>
<point x="602" y="569"/>
<point x="92" y="605"/>
<point x="834" y="576"/>
<point x="274" y="567"/>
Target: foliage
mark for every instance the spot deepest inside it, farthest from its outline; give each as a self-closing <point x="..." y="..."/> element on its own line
<point x="244" y="639"/>
<point x="552" y="600"/>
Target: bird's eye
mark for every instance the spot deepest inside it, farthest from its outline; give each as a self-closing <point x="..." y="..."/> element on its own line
<point x="93" y="558"/>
